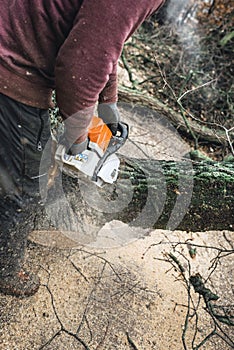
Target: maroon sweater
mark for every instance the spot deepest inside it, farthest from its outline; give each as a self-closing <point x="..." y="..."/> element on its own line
<point x="70" y="46"/>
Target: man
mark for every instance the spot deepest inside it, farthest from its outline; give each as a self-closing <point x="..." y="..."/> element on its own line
<point x="71" y="47"/>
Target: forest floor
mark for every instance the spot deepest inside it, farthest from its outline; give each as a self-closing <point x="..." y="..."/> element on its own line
<point x="134" y="296"/>
<point x="122" y="298"/>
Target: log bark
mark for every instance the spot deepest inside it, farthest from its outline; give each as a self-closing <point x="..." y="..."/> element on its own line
<point x="188" y="195"/>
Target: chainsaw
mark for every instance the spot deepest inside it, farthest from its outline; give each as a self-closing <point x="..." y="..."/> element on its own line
<point x="98" y="162"/>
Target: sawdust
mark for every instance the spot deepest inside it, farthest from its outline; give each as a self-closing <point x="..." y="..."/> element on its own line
<point x="110" y="298"/>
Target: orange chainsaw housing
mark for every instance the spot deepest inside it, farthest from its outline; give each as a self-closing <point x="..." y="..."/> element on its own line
<point x="99" y="133"/>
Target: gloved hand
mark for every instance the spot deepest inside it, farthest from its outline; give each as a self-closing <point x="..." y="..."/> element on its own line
<point x="110" y="115"/>
<point x="78" y="148"/>
<point x="75" y="148"/>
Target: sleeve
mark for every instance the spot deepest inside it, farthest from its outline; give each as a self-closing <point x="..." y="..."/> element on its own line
<point x="87" y="61"/>
<point x="110" y="92"/>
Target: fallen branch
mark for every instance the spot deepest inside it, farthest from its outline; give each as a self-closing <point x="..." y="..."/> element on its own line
<point x="202" y="131"/>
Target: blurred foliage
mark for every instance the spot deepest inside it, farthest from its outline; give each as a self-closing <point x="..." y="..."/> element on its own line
<point x="57" y="126"/>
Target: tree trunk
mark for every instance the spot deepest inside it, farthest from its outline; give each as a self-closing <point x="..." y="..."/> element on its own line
<point x="188" y="195"/>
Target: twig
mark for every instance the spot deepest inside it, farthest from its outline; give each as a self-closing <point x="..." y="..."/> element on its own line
<point x="194" y="89"/>
<point x="229" y="140"/>
<point x="205" y="340"/>
<point x="128" y="69"/>
<point x="180" y="105"/>
<point x="131" y="342"/>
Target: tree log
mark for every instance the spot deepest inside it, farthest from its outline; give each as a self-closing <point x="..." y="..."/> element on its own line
<point x="187" y="195"/>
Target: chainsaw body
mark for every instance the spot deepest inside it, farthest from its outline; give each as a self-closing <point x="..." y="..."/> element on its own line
<point x="99" y="161"/>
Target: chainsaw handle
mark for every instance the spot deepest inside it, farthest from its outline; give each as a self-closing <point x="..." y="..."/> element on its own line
<point x="118" y="141"/>
<point x="123" y="129"/>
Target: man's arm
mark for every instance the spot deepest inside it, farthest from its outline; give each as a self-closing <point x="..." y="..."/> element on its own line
<point x="88" y="58"/>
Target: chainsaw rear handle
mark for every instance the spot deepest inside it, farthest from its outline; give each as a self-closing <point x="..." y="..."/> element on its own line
<point x="115" y="143"/>
<point x="123" y="129"/>
<point x="118" y="141"/>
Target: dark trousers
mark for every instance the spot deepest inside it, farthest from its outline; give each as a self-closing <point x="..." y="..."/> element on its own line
<point x="24" y="136"/>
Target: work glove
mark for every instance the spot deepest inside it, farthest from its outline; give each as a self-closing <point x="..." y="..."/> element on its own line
<point x="75" y="148"/>
<point x="78" y="148"/>
<point x="110" y="115"/>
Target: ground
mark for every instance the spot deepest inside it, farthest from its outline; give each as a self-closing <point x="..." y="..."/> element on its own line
<point x="120" y="298"/>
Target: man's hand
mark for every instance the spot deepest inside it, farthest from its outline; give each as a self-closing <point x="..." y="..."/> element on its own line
<point x="78" y="148"/>
<point x="110" y="115"/>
